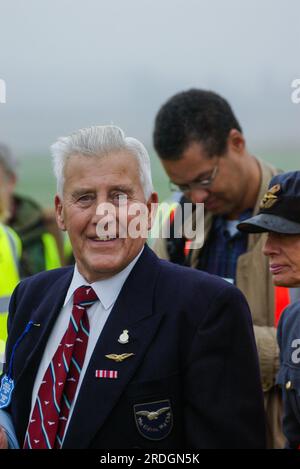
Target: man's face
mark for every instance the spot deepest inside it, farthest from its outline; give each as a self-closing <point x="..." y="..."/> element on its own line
<point x="227" y="191"/>
<point x="89" y="183"/>
<point x="284" y="258"/>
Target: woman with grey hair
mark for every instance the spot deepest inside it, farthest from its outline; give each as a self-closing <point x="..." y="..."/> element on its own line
<point x="279" y="216"/>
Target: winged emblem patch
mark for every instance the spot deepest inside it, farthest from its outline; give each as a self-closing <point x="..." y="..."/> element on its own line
<point x="152" y="415"/>
<point x="154" y="420"/>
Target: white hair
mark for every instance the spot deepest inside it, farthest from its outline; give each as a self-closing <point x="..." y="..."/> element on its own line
<point x="100" y="140"/>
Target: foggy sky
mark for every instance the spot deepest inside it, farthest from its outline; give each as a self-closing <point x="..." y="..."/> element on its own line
<point x="72" y="63"/>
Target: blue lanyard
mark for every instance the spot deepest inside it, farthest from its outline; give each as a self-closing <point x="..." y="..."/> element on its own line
<point x="26" y="330"/>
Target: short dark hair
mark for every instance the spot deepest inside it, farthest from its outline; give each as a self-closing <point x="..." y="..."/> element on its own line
<point x="193" y="116"/>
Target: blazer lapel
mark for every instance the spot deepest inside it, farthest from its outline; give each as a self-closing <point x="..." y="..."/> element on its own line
<point x="45" y="315"/>
<point x="133" y="311"/>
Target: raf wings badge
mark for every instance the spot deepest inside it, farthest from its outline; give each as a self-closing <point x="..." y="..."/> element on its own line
<point x="119" y="358"/>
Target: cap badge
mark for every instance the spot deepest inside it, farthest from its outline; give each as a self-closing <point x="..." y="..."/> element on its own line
<point x="269" y="199"/>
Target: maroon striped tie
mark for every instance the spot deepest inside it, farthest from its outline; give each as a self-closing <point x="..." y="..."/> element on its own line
<point x="52" y="407"/>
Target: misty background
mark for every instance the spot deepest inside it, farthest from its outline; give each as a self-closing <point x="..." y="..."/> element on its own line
<point x="73" y="63"/>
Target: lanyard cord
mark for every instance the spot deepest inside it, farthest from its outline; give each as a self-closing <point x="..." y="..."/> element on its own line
<point x="26" y="330"/>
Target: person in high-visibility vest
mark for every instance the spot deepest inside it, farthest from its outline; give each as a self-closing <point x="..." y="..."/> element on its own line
<point x="42" y="244"/>
<point x="10" y="253"/>
<point x="279" y="216"/>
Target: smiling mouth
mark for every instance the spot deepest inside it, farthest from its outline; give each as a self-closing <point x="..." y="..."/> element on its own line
<point x="103" y="239"/>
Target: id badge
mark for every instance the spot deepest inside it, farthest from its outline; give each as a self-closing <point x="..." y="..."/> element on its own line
<point x="6" y="390"/>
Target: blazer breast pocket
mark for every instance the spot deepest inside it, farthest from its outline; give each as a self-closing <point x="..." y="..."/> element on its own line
<point x="160" y="386"/>
<point x="156" y="407"/>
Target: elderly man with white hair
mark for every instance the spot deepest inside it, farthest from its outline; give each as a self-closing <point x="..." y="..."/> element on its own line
<point x="124" y="350"/>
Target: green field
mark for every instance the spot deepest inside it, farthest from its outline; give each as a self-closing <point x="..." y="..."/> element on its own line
<point x="36" y="178"/>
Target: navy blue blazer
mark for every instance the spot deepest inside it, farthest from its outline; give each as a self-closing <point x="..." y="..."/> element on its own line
<point x="193" y="381"/>
<point x="288" y="336"/>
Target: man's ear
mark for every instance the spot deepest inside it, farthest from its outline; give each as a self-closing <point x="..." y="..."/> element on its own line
<point x="236" y="141"/>
<point x="59" y="213"/>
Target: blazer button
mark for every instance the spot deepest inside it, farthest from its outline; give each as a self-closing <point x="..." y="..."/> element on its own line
<point x="288" y="385"/>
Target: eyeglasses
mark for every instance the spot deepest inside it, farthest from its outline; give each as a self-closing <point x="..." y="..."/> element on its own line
<point x="202" y="183"/>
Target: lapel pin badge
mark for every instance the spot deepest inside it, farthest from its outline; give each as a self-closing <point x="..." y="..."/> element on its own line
<point x="124" y="337"/>
<point x="119" y="358"/>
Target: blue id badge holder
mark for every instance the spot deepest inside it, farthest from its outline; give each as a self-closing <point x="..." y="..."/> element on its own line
<point x="6" y="390"/>
<point x="7" y="382"/>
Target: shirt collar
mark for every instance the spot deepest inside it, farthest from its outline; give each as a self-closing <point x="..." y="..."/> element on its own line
<point x="107" y="290"/>
<point x="221" y="224"/>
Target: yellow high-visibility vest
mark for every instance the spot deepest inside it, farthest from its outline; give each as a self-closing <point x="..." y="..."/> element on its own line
<point x="10" y="251"/>
<point x="52" y="260"/>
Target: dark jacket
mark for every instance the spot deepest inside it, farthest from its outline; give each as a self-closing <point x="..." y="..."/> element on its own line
<point x="194" y="354"/>
<point x="289" y="374"/>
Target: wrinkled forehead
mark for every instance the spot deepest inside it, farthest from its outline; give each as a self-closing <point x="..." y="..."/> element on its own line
<point x="94" y="170"/>
<point x="117" y="162"/>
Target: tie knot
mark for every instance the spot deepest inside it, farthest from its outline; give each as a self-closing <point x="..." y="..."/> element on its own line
<point x="84" y="296"/>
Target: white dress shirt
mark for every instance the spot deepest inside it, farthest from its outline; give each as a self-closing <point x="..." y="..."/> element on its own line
<point x="107" y="291"/>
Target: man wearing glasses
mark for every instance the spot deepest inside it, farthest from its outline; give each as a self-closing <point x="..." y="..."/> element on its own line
<point x="202" y="149"/>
